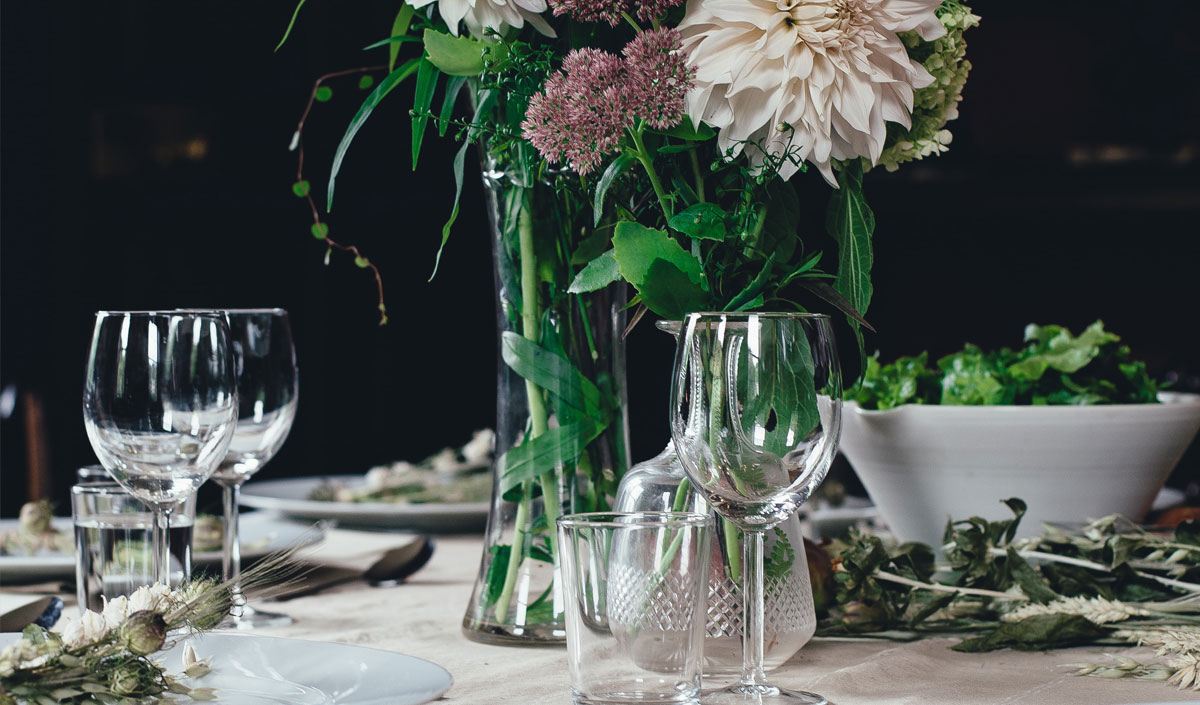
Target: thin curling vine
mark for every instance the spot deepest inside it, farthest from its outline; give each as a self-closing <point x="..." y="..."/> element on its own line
<point x="302" y="188"/>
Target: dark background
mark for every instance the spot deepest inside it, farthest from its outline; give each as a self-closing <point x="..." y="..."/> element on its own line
<point x="145" y="165"/>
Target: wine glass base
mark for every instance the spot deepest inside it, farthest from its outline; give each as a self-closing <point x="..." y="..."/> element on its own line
<point x="250" y="618"/>
<point x="743" y="694"/>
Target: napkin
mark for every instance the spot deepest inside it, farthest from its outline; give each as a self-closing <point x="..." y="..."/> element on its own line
<point x="345" y="555"/>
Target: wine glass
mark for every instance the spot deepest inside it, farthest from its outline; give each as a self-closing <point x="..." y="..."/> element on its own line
<point x="755" y="417"/>
<point x="160" y="406"/>
<point x="268" y="385"/>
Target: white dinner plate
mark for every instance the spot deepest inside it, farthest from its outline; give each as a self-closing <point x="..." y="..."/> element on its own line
<point x="251" y="670"/>
<point x="260" y="534"/>
<point x="290" y="496"/>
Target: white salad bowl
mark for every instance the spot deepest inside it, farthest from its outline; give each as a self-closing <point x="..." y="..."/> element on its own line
<point x="923" y="464"/>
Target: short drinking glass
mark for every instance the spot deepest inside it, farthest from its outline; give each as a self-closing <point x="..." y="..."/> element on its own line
<point x="113" y="540"/>
<point x="636" y="588"/>
<point x="159" y="406"/>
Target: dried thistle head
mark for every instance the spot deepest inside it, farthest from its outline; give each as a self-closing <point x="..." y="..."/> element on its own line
<point x="143" y="632"/>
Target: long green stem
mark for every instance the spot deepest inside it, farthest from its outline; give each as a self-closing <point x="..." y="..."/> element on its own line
<point x="515" y="552"/>
<point x="538" y="418"/>
<point x="647" y="162"/>
<point x="697" y="175"/>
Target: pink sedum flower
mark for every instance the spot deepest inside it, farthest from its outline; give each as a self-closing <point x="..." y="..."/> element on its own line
<point x="580" y="114"/>
<point x="611" y="11"/>
<point x="583" y="110"/>
<point x="659" y="77"/>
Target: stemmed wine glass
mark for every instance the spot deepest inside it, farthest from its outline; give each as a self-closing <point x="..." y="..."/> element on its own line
<point x="755" y="417"/>
<point x="268" y="385"/>
<point x="160" y="406"/>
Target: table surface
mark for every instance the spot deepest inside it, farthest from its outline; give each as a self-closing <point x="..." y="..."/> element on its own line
<point x="423" y="618"/>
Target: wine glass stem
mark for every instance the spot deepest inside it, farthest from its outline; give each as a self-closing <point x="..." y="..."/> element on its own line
<point x="231" y="557"/>
<point x="752" y="608"/>
<point x="160" y="543"/>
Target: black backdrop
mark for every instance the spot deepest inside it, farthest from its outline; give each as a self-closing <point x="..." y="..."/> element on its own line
<point x="145" y="164"/>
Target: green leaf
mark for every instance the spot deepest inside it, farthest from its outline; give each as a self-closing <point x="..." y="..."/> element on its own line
<point x="426" y="85"/>
<point x="668" y="279"/>
<point x="497" y="569"/>
<point x="931" y="608"/>
<point x="385" y="86"/>
<point x="459" y="165"/>
<point x="753" y="290"/>
<point x="973" y="378"/>
<point x="615" y="169"/>
<point x="362" y="262"/>
<point x="366" y="82"/>
<point x="703" y="221"/>
<point x="301" y="188"/>
<point x="1031" y="581"/>
<point x="1048" y="631"/>
<point x="551" y="372"/>
<point x="547" y="452"/>
<point x="851" y="223"/>
<point x="324" y="93"/>
<point x="686" y="131"/>
<point x="391" y="42"/>
<point x="453" y="87"/>
<point x="486" y="100"/>
<point x="1057" y="349"/>
<point x="455" y="56"/>
<point x="670" y="292"/>
<point x="831" y="295"/>
<point x="780" y="231"/>
<point x="592" y="246"/>
<point x="399" y="29"/>
<point x="599" y="273"/>
<point x="319" y="230"/>
<point x="288" y="32"/>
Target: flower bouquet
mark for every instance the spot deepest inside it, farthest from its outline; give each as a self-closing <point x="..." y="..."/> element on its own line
<point x="648" y="143"/>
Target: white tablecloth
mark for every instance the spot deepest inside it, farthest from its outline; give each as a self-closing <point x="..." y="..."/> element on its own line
<point x="423" y="618"/>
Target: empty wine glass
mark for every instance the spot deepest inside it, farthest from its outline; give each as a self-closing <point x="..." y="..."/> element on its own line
<point x="160" y="406"/>
<point x="268" y="385"/>
<point x="755" y="418"/>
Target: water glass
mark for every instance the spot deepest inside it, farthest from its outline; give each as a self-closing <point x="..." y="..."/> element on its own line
<point x="113" y="544"/>
<point x="636" y="588"/>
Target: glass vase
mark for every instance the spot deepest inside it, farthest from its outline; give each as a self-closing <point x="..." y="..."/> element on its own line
<point x="790" y="620"/>
<point x="561" y="423"/>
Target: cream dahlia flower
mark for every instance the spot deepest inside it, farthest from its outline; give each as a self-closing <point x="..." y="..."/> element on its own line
<point x="481" y="15"/>
<point x="809" y="80"/>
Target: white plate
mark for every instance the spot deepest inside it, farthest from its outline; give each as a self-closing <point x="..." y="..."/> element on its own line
<point x="290" y="496"/>
<point x="261" y="534"/>
<point x="251" y="670"/>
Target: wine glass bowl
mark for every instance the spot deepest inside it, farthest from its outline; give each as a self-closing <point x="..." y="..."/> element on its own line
<point x="268" y="391"/>
<point x="160" y="406"/>
<point x="755" y="418"/>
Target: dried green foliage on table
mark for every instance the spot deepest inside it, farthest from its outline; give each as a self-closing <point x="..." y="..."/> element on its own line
<point x="108" y="657"/>
<point x="1109" y="582"/>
